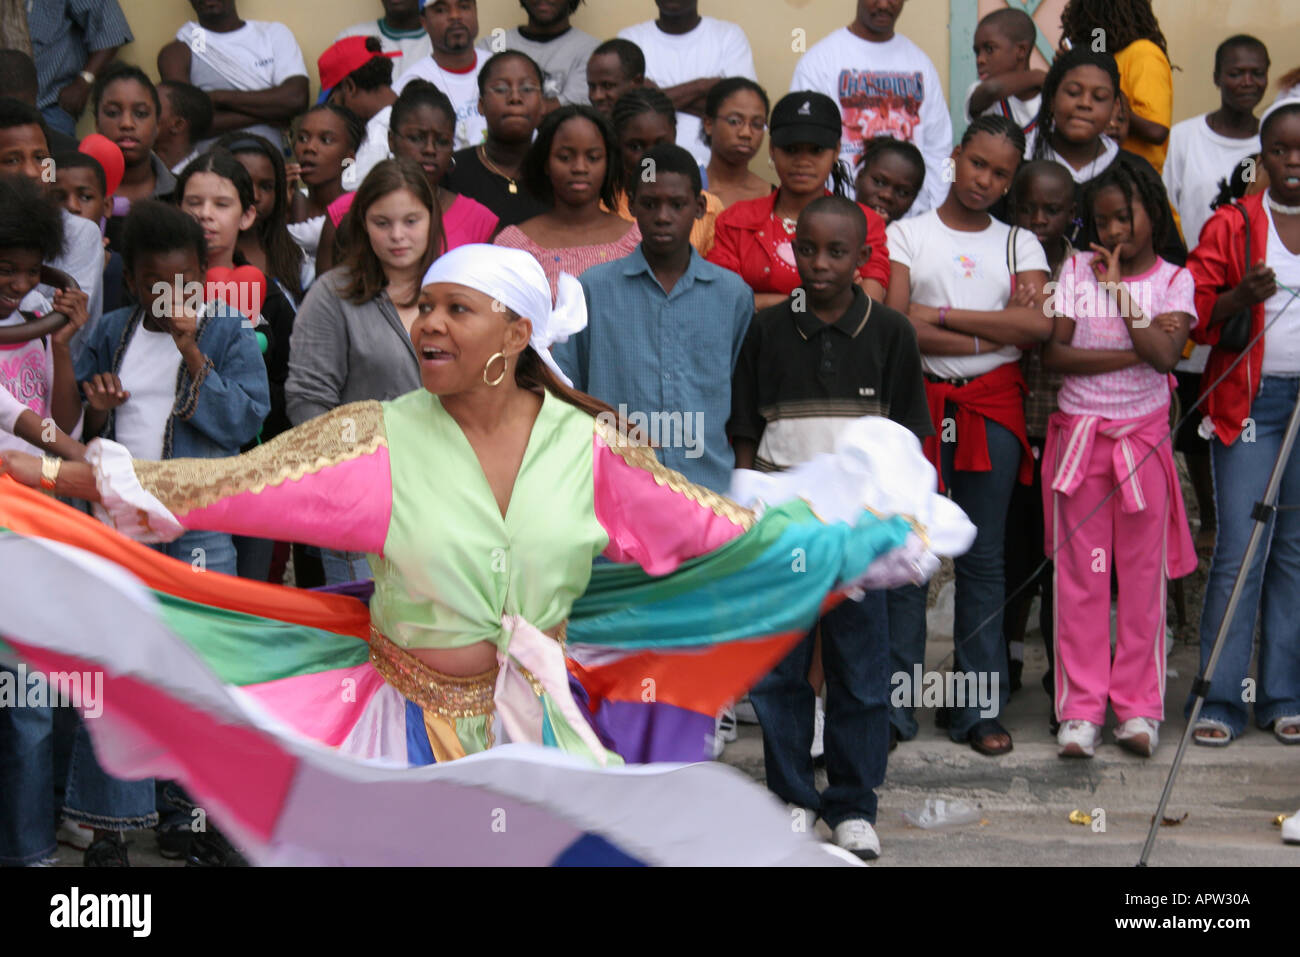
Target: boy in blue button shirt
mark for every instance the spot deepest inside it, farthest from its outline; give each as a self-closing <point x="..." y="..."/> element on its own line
<point x="665" y="327"/>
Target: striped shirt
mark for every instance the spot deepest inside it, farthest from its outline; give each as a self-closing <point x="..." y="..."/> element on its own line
<point x="64" y="33"/>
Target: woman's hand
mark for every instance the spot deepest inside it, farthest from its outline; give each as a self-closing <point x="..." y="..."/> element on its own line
<point x="74" y="304"/>
<point x="104" y="392"/>
<point x="24" y="467"/>
<point x="1259" y="283"/>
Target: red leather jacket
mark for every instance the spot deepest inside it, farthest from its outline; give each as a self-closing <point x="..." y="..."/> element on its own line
<point x="738" y="247"/>
<point x="1218" y="264"/>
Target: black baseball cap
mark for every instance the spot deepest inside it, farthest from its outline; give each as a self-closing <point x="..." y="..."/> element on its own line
<point x="805" y="117"/>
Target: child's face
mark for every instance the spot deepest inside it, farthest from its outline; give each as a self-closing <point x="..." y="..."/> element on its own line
<point x="803" y="168"/>
<point x="20" y="271"/>
<point x="174" y="269"/>
<point x="262" y="173"/>
<point x="737" y="132"/>
<point x="77" y="190"/>
<point x="214" y="203"/>
<point x="128" y="118"/>
<point x="320" y="147"/>
<point x="1083" y="104"/>
<point x="666" y="209"/>
<point x="398" y="228"/>
<point x="828" y="254"/>
<point x="1281" y="159"/>
<point x="888" y="184"/>
<point x="606" y="81"/>
<point x="1046" y="207"/>
<point x="577" y="164"/>
<point x="984" y="170"/>
<point x="23" y="151"/>
<point x="1242" y="78"/>
<point x="1122" y="223"/>
<point x="641" y="133"/>
<point x="427" y="136"/>
<point x="513" y="116"/>
<point x="995" y="53"/>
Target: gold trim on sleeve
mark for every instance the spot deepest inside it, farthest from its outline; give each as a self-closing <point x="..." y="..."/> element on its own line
<point x="348" y="432"/>
<point x="643" y="457"/>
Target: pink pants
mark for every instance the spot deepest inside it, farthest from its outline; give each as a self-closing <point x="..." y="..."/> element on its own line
<point x="1136" y="543"/>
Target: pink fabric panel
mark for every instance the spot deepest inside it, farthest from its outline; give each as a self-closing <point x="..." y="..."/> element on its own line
<point x="649" y="523"/>
<point x="310" y="703"/>
<point x="345" y="507"/>
<point x="247" y="768"/>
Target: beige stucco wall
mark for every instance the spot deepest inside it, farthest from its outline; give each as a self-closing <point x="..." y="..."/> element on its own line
<point x="1193" y="28"/>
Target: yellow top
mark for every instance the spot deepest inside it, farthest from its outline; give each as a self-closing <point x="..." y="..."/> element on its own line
<point x="1148" y="82"/>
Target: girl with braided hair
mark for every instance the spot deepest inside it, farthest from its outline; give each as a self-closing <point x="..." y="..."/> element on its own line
<point x="1129" y="30"/>
<point x="971" y="286"/>
<point x="643" y="118"/>
<point x="1079" y="98"/>
<point x="1122" y="317"/>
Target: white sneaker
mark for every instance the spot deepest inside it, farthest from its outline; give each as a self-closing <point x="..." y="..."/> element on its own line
<point x="745" y="713"/>
<point x="819" y="728"/>
<point x="75" y="835"/>
<point x="1139" y="735"/>
<point x="1078" y="739"/>
<point x="1291" y="829"/>
<point x="857" y="836"/>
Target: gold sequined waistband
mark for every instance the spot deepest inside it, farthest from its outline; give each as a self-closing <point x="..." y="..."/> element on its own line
<point x="450" y="696"/>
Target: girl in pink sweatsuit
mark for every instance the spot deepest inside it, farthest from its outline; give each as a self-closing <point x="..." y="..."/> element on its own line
<point x="1110" y="488"/>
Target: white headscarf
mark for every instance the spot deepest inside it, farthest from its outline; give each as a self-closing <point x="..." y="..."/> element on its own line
<point x="515" y="279"/>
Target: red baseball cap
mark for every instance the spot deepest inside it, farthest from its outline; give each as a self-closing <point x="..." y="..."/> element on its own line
<point x="341" y="59"/>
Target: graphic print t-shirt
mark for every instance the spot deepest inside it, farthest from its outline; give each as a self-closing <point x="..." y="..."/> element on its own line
<point x="883" y="89"/>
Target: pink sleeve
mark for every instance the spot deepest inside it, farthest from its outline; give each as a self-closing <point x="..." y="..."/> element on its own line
<point x="326" y="482"/>
<point x="653" y="515"/>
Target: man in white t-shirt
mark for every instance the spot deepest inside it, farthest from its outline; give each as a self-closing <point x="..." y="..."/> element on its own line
<point x="685" y="55"/>
<point x="560" y="49"/>
<point x="252" y="70"/>
<point x="1204" y="149"/>
<point x="399" y="30"/>
<point x="885" y="86"/>
<point x="454" y="64"/>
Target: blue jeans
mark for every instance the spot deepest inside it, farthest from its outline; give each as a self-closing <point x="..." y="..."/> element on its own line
<point x="855" y="653"/>
<point x="1241" y="472"/>
<point x="28" y="809"/>
<point x="980" y="584"/>
<point x="343" y="567"/>
<point x="58" y="118"/>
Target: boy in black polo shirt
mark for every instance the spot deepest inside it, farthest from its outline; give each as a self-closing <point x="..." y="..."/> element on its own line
<point x="808" y="367"/>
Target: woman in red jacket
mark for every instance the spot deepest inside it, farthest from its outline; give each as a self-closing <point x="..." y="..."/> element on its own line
<point x="754" y="238"/>
<point x="1246" y="413"/>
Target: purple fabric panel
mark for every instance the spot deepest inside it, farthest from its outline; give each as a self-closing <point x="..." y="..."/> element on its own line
<point x="644" y="732"/>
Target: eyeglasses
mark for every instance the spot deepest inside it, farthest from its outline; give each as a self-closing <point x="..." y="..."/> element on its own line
<point x="736" y="121"/>
<point x="505" y="89"/>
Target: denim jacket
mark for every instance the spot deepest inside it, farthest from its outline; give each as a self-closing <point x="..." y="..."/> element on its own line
<point x="215" y="414"/>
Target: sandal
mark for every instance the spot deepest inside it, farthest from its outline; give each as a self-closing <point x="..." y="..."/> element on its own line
<point x="1291" y="721"/>
<point x="1211" y="741"/>
<point x="982" y="731"/>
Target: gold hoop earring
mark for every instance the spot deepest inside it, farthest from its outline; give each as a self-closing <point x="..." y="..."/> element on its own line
<point x="504" y="367"/>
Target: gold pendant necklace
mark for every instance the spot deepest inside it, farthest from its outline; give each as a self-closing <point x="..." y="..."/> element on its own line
<point x="510" y="183"/>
